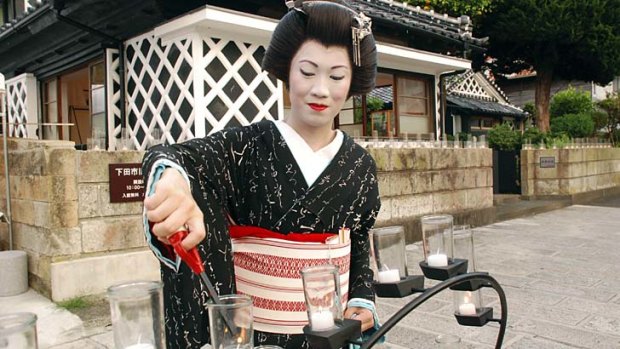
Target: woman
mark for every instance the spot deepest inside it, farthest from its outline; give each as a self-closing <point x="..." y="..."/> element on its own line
<point x="297" y="175"/>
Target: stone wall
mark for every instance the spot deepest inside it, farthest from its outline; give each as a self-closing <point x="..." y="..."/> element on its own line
<point x="77" y="242"/>
<point x="419" y="181"/>
<point x="577" y="173"/>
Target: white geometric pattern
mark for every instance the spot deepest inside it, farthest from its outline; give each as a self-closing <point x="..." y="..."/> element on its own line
<point x="114" y="96"/>
<point x="21" y="103"/>
<point x="467" y="85"/>
<point x="243" y="94"/>
<point x="195" y="85"/>
<point x="159" y="90"/>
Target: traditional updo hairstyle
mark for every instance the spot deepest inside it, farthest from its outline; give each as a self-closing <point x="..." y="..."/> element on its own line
<point x="329" y="23"/>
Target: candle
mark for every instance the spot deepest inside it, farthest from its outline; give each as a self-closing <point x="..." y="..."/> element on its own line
<point x="389" y="276"/>
<point x="437" y="260"/>
<point x="322" y="320"/>
<point x="467" y="309"/>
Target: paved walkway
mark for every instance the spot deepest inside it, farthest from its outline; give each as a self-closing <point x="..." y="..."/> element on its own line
<point x="558" y="269"/>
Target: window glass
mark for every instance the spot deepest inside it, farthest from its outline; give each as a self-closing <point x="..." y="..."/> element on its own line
<point x="413" y="105"/>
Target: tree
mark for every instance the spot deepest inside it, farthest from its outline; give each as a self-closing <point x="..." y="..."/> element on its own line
<point x="569" y="39"/>
<point x="455" y="8"/>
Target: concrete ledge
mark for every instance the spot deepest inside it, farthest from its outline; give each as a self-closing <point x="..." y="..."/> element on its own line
<point x="93" y="275"/>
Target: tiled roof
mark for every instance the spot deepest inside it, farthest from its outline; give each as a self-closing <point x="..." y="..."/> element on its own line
<point x="484" y="106"/>
<point x="389" y="10"/>
<point x="36" y="6"/>
<point x="415" y="17"/>
<point x="384" y="93"/>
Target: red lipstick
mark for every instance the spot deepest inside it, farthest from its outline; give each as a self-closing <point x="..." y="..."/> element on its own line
<point x="317" y="107"/>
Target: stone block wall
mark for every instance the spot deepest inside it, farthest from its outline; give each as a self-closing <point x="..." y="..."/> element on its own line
<point x="62" y="217"/>
<point x="420" y="181"/>
<point x="576" y="172"/>
<point x="78" y="243"/>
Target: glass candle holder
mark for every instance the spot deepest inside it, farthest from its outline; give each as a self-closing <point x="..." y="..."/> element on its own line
<point x="322" y="295"/>
<point x="467" y="303"/>
<point x="388" y="250"/>
<point x="137" y="314"/>
<point x="18" y="330"/>
<point x="230" y="322"/>
<point x="463" y="241"/>
<point x="437" y="239"/>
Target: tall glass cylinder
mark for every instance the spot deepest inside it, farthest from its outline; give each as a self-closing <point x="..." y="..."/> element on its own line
<point x="230" y="322"/>
<point x="465" y="302"/>
<point x="388" y="250"/>
<point x="322" y="295"/>
<point x="437" y="239"/>
<point x="18" y="330"/>
<point x="137" y="315"/>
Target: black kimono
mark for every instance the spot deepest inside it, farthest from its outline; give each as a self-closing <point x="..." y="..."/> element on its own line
<point x="250" y="174"/>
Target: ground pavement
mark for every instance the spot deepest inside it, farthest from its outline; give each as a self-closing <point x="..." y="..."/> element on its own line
<point x="558" y="269"/>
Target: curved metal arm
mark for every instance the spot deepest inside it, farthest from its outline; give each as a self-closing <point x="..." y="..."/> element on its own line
<point x="391" y="322"/>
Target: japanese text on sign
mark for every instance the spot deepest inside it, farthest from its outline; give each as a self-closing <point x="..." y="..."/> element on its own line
<point x="126" y="182"/>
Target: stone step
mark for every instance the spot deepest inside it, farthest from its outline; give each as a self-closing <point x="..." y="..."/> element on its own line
<point x="524" y="208"/>
<point x="505" y="198"/>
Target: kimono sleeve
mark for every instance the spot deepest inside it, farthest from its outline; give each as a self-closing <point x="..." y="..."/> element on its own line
<point x="361" y="275"/>
<point x="214" y="167"/>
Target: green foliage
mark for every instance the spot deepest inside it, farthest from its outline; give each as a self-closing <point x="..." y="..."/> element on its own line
<point x="610" y="121"/>
<point x="455" y="8"/>
<point x="503" y="137"/>
<point x="559" y="141"/>
<point x="533" y="135"/>
<point x="530" y="109"/>
<point x="573" y="125"/>
<point x="572" y="39"/>
<point x="374" y="103"/>
<point x="570" y="101"/>
<point x="74" y="303"/>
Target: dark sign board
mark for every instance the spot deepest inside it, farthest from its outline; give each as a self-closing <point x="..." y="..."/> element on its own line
<point x="547" y="162"/>
<point x="126" y="183"/>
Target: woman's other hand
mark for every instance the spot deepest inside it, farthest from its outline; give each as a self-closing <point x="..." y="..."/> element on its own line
<point x="171" y="207"/>
<point x="362" y="314"/>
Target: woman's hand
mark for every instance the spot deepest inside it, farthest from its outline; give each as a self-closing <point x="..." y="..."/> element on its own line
<point x="171" y="207"/>
<point x="362" y="314"/>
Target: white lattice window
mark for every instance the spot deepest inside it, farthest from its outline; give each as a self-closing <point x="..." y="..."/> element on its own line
<point x="237" y="92"/>
<point x="159" y="90"/>
<point x="113" y="91"/>
<point x="195" y="85"/>
<point x="21" y="103"/>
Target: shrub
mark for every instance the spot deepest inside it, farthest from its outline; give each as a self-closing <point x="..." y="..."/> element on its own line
<point x="534" y="135"/>
<point x="573" y="125"/>
<point x="570" y="101"/>
<point x="503" y="137"/>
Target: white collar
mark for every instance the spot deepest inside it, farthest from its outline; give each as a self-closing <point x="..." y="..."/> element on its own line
<point x="312" y="163"/>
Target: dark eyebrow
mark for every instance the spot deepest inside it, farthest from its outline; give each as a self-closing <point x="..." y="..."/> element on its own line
<point x="316" y="65"/>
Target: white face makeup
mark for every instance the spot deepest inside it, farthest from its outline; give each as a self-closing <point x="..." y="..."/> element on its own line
<point x="319" y="82"/>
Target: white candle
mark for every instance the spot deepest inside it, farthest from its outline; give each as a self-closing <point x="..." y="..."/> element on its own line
<point x="389" y="276"/>
<point x="322" y="320"/>
<point x="467" y="309"/>
<point x="437" y="260"/>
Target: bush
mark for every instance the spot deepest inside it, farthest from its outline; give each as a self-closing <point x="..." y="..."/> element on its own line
<point x="573" y="125"/>
<point x="570" y="101"/>
<point x="503" y="137"/>
<point x="534" y="135"/>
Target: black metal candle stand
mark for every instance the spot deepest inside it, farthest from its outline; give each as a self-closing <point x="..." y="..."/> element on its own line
<point x="482" y="316"/>
<point x="347" y="330"/>
<point x="470" y="285"/>
<point x="403" y="288"/>
<point x="455" y="267"/>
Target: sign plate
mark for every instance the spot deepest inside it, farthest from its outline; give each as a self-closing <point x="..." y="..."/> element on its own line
<point x="126" y="183"/>
<point x="547" y="162"/>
